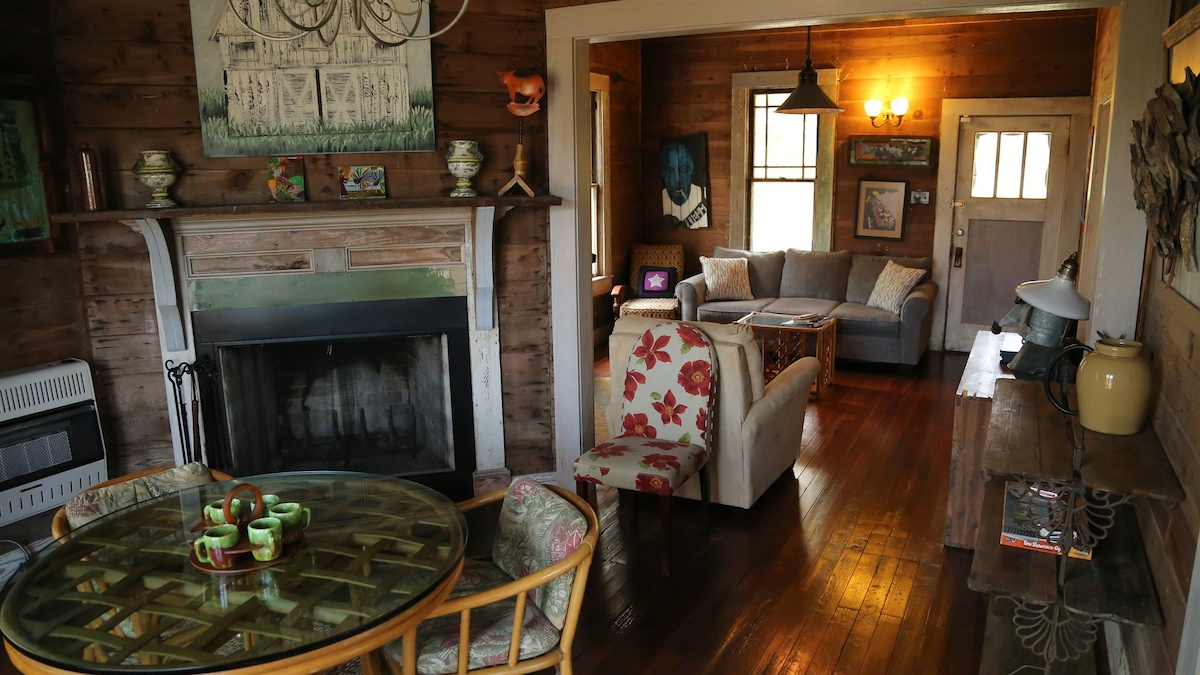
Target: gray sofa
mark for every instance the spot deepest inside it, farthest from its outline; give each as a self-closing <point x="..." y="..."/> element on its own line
<point x="837" y="284"/>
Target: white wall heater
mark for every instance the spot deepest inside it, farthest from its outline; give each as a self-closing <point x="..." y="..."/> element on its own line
<point x="50" y="442"/>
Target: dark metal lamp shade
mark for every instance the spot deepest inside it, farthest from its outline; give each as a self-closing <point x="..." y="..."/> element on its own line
<point x="807" y="97"/>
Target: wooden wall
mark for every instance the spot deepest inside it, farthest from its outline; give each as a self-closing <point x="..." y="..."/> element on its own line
<point x="1172" y="338"/>
<point x="127" y="83"/>
<point x="622" y="62"/>
<point x="41" y="312"/>
<point x="686" y="81"/>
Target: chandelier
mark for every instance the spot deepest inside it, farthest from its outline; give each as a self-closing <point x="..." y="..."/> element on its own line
<point x="389" y="22"/>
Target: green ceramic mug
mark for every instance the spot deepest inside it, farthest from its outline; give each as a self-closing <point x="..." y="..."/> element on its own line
<point x="213" y="546"/>
<point x="266" y="538"/>
<point x="215" y="512"/>
<point x="292" y="514"/>
<point x="268" y="501"/>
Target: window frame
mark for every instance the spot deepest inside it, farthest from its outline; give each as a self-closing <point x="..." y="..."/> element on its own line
<point x="598" y="84"/>
<point x="743" y="86"/>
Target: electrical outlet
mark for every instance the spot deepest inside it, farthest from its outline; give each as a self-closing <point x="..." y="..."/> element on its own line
<point x="918" y="197"/>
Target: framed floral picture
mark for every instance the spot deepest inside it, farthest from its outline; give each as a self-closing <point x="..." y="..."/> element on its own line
<point x="881" y="209"/>
<point x="24" y="214"/>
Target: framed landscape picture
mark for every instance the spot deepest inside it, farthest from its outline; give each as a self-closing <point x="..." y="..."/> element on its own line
<point x="881" y="209"/>
<point x="270" y="97"/>
<point x="881" y="151"/>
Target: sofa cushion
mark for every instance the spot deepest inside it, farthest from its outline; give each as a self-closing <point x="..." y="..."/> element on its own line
<point x="814" y="274"/>
<point x="865" y="269"/>
<point x="893" y="285"/>
<point x="801" y="306"/>
<point x="725" y="311"/>
<point x="764" y="268"/>
<point x="856" y="319"/>
<point x="726" y="278"/>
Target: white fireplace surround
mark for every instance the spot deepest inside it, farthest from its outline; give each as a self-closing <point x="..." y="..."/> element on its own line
<point x="172" y="270"/>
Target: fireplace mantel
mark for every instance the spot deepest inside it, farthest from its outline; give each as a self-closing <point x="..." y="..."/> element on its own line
<point x="174" y="273"/>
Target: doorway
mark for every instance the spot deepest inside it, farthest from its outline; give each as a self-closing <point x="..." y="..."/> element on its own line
<point x="1010" y="211"/>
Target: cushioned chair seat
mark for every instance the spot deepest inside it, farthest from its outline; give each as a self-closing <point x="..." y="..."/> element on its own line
<point x="652" y="308"/>
<point x="491" y="628"/>
<point x="641" y="463"/>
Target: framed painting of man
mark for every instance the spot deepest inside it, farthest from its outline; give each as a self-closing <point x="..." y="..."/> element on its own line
<point x="270" y="97"/>
<point x="684" y="164"/>
<point x="24" y="193"/>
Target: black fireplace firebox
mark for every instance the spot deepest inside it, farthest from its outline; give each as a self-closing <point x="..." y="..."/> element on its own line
<point x="376" y="386"/>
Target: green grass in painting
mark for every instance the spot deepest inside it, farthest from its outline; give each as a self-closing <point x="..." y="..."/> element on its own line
<point x="421" y="97"/>
<point x="221" y="139"/>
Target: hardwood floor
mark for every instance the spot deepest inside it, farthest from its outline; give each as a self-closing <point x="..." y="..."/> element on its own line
<point x="839" y="571"/>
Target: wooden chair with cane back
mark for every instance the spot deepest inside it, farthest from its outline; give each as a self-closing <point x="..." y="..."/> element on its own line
<point x="517" y="611"/>
<point x="101" y="498"/>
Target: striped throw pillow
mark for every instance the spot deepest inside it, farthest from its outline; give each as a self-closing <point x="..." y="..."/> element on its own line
<point x="892" y="286"/>
<point x="726" y="278"/>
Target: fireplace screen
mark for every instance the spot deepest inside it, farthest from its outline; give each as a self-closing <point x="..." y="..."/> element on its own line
<point x="380" y="405"/>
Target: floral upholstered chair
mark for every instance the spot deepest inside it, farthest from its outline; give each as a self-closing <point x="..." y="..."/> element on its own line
<point x="540" y="559"/>
<point x="666" y="422"/>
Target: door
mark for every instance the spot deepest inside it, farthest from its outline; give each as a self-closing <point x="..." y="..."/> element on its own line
<point x="1008" y="216"/>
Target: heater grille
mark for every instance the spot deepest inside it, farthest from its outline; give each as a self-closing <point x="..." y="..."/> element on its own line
<point x="50" y="442"/>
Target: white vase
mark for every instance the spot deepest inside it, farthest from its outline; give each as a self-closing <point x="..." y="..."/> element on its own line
<point x="464" y="160"/>
<point x="156" y="169"/>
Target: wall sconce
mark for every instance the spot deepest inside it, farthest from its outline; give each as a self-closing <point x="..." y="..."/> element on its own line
<point x="894" y="115"/>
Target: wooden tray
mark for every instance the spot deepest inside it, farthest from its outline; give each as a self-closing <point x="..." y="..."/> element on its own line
<point x="244" y="560"/>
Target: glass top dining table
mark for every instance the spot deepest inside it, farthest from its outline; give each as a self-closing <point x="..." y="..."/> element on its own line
<point x="123" y="594"/>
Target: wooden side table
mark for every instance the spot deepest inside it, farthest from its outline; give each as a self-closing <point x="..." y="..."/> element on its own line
<point x="783" y="345"/>
<point x="972" y="411"/>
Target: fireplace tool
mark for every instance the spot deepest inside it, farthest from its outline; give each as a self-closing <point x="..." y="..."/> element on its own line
<point x="189" y="434"/>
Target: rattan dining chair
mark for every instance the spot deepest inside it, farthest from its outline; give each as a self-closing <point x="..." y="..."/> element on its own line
<point x="518" y="611"/>
<point x="60" y="526"/>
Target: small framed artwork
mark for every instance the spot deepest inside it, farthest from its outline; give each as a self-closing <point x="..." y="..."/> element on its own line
<point x="880" y="151"/>
<point x="285" y="179"/>
<point x="362" y="182"/>
<point x="881" y="209"/>
<point x="24" y="213"/>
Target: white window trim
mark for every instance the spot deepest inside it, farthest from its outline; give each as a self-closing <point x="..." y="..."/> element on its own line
<point x="602" y="281"/>
<point x="743" y="84"/>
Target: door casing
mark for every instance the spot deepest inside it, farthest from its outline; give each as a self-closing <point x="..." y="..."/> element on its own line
<point x="1079" y="108"/>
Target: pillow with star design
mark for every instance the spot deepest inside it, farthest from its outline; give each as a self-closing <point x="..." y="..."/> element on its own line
<point x="656" y="282"/>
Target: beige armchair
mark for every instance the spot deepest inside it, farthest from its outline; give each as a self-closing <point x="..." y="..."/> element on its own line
<point x="758" y="428"/>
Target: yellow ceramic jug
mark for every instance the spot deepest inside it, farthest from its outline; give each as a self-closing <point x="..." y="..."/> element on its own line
<point x="1112" y="384"/>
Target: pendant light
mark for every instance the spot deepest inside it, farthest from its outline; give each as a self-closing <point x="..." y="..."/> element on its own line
<point x="807" y="97"/>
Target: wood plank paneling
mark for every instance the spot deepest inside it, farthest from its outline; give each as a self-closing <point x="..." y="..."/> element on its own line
<point x="1172" y="333"/>
<point x="687" y="90"/>
<point x="127" y="81"/>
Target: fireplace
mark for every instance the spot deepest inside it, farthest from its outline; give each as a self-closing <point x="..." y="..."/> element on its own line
<point x="331" y="337"/>
<point x="382" y="387"/>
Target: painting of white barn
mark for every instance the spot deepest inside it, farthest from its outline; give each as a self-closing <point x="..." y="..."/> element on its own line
<point x="270" y="97"/>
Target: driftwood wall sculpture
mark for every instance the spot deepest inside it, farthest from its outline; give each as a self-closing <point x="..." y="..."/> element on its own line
<point x="1166" y="162"/>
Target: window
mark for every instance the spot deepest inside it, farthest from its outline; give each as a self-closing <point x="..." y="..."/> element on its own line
<point x="781" y="173"/>
<point x="599" y="196"/>
<point x="1011" y="165"/>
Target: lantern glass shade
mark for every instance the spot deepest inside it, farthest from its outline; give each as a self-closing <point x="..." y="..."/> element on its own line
<point x="873" y="107"/>
<point x="900" y="106"/>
